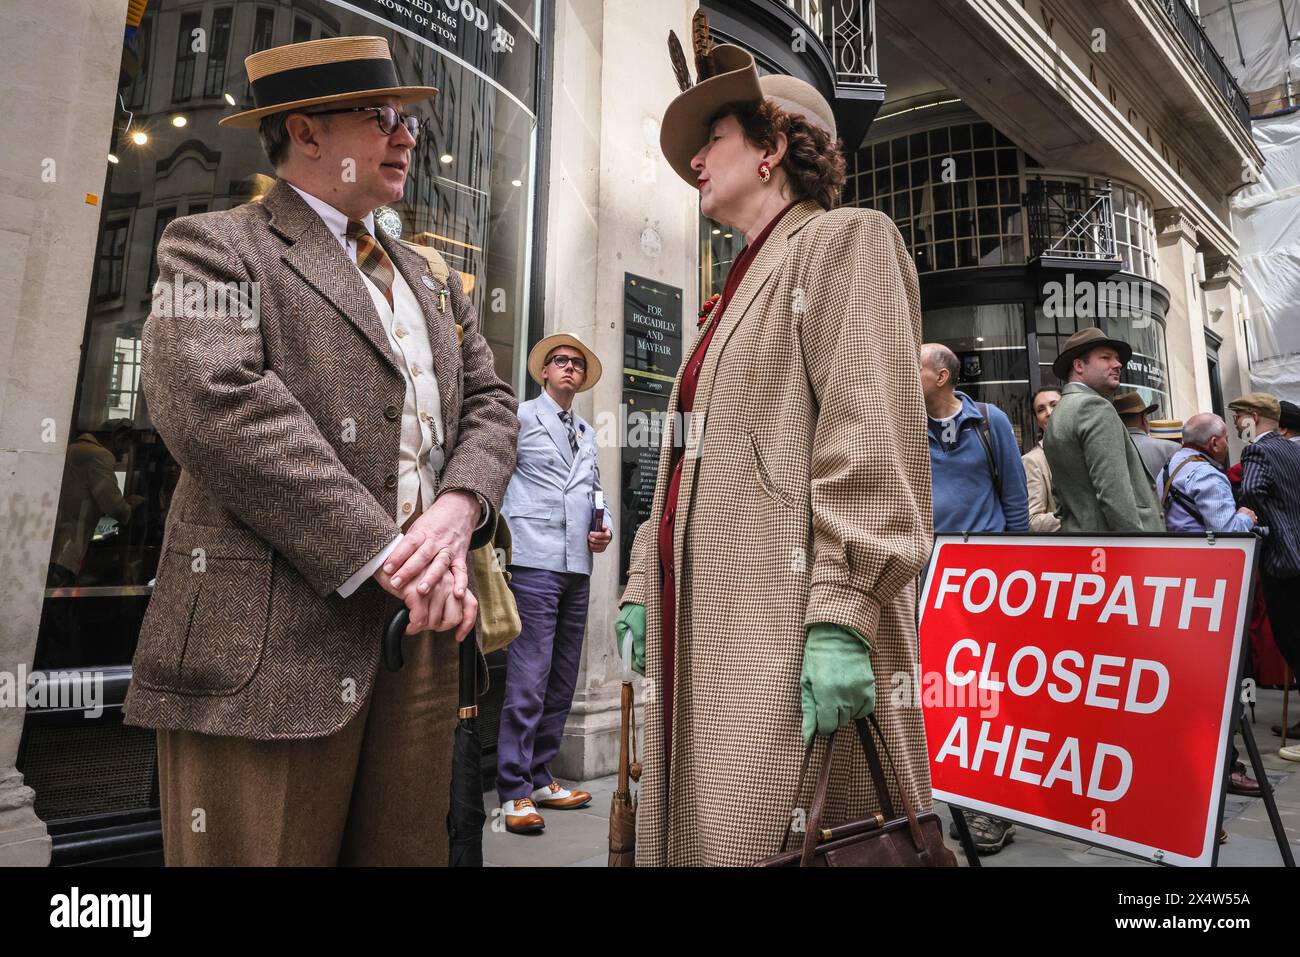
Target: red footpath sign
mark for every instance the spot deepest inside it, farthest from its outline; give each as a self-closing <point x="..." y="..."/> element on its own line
<point x="1085" y="685"/>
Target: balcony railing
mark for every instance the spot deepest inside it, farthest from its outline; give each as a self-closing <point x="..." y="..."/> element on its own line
<point x="1193" y="34"/>
<point x="848" y="29"/>
<point x="1071" y="222"/>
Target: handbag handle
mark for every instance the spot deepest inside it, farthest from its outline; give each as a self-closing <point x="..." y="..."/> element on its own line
<point x="812" y="829"/>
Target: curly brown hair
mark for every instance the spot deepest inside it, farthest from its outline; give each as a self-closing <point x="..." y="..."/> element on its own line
<point x="813" y="163"/>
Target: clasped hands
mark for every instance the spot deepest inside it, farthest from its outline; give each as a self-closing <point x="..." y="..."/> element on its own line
<point x="429" y="569"/>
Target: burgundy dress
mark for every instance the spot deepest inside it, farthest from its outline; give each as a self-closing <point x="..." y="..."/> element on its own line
<point x="686" y="404"/>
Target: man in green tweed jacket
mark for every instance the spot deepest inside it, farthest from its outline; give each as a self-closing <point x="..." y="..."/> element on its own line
<point x="1097" y="473"/>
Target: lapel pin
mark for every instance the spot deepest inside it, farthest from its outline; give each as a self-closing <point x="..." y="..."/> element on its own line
<point x="428" y="281"/>
<point x="442" y="300"/>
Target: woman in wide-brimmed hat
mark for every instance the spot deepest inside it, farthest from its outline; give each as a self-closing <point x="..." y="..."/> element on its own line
<point x="772" y="585"/>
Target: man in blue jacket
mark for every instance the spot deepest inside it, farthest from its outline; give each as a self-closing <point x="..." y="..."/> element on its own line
<point x="978" y="481"/>
<point x="978" y="485"/>
<point x="551" y="506"/>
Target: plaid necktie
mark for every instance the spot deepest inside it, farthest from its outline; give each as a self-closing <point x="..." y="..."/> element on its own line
<point x="567" y="418"/>
<point x="372" y="260"/>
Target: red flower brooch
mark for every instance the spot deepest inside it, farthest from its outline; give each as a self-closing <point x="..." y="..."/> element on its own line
<point x="706" y="310"/>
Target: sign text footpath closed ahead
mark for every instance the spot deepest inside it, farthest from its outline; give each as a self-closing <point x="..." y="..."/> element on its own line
<point x="1085" y="685"/>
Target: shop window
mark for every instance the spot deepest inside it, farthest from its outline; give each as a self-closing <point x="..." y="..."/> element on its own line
<point x="1140" y="324"/>
<point x="214" y="82"/>
<point x="989" y="341"/>
<point x="476" y="211"/>
<point x="954" y="192"/>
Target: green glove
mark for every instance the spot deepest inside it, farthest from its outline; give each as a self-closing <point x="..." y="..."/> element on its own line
<point x="838" y="684"/>
<point x="631" y="617"/>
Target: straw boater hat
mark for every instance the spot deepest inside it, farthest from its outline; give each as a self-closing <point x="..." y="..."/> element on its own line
<point x="1081" y="342"/>
<point x="1171" y="429"/>
<point x="725" y="74"/>
<point x="321" y="71"/>
<point x="1130" y="403"/>
<point x="537" y="356"/>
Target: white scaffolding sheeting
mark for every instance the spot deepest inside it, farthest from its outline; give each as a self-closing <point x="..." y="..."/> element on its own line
<point x="1254" y="39"/>
<point x="1266" y="221"/>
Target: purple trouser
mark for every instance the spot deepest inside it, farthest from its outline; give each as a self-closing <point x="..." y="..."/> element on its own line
<point x="541" y="672"/>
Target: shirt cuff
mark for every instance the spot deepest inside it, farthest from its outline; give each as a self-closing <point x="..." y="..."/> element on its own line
<point x="368" y="570"/>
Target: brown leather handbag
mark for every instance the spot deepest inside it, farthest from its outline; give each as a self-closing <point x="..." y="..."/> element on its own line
<point x="883" y="840"/>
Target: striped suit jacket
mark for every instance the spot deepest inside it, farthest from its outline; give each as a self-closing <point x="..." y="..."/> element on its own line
<point x="1270" y="485"/>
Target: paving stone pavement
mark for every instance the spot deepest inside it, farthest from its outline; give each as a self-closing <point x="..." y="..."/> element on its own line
<point x="579" y="838"/>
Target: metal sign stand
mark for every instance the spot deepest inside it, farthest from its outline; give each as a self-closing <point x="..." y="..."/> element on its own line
<point x="1265" y="789"/>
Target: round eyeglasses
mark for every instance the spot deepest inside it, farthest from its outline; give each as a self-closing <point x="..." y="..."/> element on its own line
<point x="387" y="118"/>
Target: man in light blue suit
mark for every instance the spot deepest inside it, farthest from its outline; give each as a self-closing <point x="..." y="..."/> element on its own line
<point x="551" y="506"/>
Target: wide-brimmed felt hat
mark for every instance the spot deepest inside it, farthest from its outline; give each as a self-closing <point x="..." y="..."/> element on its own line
<point x="332" y="70"/>
<point x="726" y="74"/>
<point x="537" y="357"/>
<point x="1131" y="403"/>
<point x="1081" y="342"/>
<point x="1261" y="403"/>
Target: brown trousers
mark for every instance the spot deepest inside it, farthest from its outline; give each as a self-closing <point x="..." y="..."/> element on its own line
<point x="375" y="793"/>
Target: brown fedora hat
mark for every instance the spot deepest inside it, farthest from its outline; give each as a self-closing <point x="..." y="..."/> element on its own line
<point x="1130" y="403"/>
<point x="321" y="71"/>
<point x="1081" y="342"/>
<point x="537" y="358"/>
<point x="733" y="78"/>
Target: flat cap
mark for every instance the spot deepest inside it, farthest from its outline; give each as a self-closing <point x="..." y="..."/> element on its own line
<point x="1260" y="403"/>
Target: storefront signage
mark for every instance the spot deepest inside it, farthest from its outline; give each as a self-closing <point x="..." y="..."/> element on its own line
<point x="1086" y="685"/>
<point x="484" y="35"/>
<point x="652" y="334"/>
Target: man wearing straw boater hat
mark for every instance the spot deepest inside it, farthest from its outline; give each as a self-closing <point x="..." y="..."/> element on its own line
<point x="340" y="454"/>
<point x="556" y="522"/>
<point x="1100" y="482"/>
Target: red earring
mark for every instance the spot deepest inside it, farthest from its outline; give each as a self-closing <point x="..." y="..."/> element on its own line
<point x="764" y="171"/>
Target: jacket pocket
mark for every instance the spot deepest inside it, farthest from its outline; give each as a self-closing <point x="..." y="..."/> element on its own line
<point x="765" y="480"/>
<point x="205" y="630"/>
<point x="535" y="513"/>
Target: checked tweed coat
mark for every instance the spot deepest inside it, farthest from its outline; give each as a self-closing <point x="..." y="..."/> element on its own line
<point x="805" y="498"/>
<point x="288" y="431"/>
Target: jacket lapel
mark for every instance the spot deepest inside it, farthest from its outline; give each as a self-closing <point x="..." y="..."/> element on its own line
<point x="760" y="270"/>
<point x="318" y="258"/>
<point x="555" y="429"/>
<point x="439" y="321"/>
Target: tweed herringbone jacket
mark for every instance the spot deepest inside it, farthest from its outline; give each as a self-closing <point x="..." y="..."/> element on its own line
<point x="287" y="431"/>
<point x="805" y="497"/>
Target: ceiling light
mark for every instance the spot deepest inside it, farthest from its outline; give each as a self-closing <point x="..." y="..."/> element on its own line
<point x="230" y="99"/>
<point x="112" y="158"/>
<point x="716" y="231"/>
<point x="179" y="121"/>
<point x="726" y="235"/>
<point x="139" y="137"/>
<point x="516" y="182"/>
<point x="445" y="158"/>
